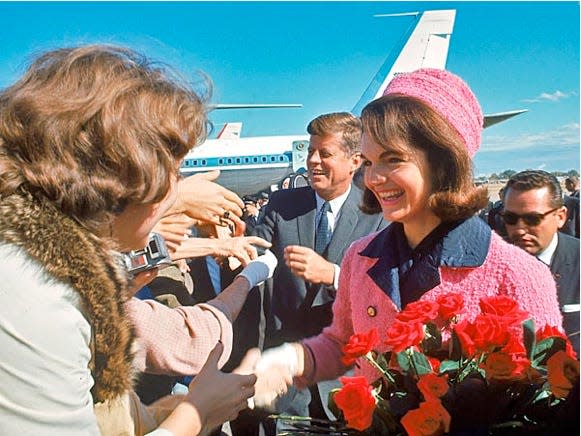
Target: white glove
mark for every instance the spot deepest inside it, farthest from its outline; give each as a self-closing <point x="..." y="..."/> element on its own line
<point x="259" y="269"/>
<point x="274" y="370"/>
<point x="284" y="355"/>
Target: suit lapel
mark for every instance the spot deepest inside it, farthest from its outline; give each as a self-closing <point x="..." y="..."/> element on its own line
<point x="306" y="222"/>
<point x="345" y="226"/>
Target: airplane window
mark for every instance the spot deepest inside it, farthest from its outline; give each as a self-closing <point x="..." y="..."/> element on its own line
<point x="238" y="160"/>
<point x="272" y="158"/>
<point x="196" y="163"/>
<point x="229" y="160"/>
<point x="281" y="158"/>
<point x="203" y="161"/>
<point x="264" y="159"/>
<point x="246" y="160"/>
<point x="254" y="159"/>
<point x="221" y="161"/>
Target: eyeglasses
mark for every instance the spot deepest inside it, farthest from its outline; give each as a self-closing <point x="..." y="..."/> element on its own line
<point x="530" y="219"/>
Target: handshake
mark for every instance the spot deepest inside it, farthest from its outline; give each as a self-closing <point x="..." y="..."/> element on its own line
<point x="274" y="371"/>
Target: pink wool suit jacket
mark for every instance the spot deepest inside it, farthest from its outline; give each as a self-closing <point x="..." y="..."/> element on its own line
<point x="361" y="304"/>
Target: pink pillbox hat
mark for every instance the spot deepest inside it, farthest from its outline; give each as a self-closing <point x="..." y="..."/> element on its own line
<point x="448" y="95"/>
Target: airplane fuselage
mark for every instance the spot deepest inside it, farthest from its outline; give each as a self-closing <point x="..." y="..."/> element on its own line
<point x="249" y="165"/>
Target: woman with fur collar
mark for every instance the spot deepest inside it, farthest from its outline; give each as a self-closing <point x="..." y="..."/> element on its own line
<point x="91" y="140"/>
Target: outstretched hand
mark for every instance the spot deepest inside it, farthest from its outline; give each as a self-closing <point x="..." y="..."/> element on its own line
<point x="202" y="199"/>
<point x="219" y="397"/>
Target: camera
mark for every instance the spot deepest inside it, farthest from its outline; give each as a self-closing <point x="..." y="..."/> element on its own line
<point x="154" y="255"/>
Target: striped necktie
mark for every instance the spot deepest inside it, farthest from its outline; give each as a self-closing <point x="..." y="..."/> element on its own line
<point x="322" y="235"/>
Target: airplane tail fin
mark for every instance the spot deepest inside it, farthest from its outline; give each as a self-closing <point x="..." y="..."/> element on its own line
<point x="230" y="131"/>
<point x="492" y="119"/>
<point x="425" y="44"/>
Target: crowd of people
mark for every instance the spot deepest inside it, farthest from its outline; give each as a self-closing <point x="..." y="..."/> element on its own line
<point x="262" y="292"/>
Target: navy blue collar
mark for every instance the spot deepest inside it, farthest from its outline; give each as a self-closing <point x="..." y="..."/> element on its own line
<point x="405" y="274"/>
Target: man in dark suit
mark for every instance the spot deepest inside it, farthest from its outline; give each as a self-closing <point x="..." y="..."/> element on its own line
<point x="533" y="213"/>
<point x="322" y="217"/>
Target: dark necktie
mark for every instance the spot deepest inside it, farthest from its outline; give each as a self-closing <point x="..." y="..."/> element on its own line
<point x="322" y="236"/>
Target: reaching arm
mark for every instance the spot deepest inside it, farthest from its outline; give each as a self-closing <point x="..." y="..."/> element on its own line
<point x="177" y="341"/>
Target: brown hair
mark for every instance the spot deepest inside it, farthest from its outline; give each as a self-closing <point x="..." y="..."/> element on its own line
<point x="96" y="128"/>
<point x="339" y="122"/>
<point x="413" y="122"/>
<point x="536" y="179"/>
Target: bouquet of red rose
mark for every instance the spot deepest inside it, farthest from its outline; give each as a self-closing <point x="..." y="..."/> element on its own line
<point x="444" y="374"/>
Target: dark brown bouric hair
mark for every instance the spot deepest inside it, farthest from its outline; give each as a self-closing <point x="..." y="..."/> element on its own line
<point x="95" y="128"/>
<point x="411" y="121"/>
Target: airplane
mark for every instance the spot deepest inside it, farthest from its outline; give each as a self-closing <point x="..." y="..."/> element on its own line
<point x="252" y="165"/>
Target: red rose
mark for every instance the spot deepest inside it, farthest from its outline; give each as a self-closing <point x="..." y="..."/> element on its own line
<point x="430" y="419"/>
<point x="434" y="363"/>
<point x="490" y="332"/>
<point x="465" y="331"/>
<point x="359" y="345"/>
<point x="549" y="331"/>
<point x="356" y="401"/>
<point x="402" y="335"/>
<point x="450" y="305"/>
<point x="499" y="366"/>
<point x="562" y="372"/>
<point x="514" y="346"/>
<point x="418" y="311"/>
<point x="504" y="307"/>
<point x="432" y="386"/>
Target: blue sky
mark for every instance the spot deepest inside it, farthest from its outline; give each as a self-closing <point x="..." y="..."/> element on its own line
<point x="323" y="54"/>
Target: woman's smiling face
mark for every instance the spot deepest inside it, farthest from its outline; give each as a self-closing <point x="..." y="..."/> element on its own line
<point x="399" y="177"/>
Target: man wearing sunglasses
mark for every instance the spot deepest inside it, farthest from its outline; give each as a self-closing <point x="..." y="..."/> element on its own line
<point x="533" y="213"/>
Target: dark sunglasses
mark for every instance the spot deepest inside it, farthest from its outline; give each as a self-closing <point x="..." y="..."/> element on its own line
<point x="530" y="219"/>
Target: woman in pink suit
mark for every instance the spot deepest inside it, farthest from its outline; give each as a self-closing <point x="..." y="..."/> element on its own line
<point x="418" y="141"/>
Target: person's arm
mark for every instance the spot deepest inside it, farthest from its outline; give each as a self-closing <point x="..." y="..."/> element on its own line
<point x="242" y="248"/>
<point x="214" y="397"/>
<point x="202" y="199"/>
<point x="177" y="341"/>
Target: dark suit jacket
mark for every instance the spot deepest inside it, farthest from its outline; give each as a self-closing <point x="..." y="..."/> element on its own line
<point x="295" y="309"/>
<point x="565" y="269"/>
<point x="289" y="219"/>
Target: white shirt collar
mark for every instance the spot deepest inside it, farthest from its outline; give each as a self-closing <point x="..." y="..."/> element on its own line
<point x="336" y="204"/>
<point x="546" y="255"/>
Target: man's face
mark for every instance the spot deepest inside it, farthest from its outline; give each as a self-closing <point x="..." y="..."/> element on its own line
<point x="330" y="168"/>
<point x="532" y="238"/>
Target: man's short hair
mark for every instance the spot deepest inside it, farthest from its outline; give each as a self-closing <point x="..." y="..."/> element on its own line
<point x="339" y="122"/>
<point x="537" y="179"/>
<point x="574" y="180"/>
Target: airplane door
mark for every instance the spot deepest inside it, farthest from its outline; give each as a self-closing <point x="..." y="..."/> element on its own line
<point x="300" y="150"/>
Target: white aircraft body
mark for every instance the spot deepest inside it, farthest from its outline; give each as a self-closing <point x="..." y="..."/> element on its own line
<point x="254" y="164"/>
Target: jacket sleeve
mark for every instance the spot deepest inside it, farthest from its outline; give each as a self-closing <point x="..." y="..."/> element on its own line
<point x="177" y="341"/>
<point x="323" y="352"/>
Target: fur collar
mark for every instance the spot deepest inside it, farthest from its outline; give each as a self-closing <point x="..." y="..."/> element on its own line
<point x="75" y="256"/>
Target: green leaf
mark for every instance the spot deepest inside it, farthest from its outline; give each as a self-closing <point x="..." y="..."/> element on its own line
<point x="449" y="365"/>
<point x="530" y="337"/>
<point x="403" y="361"/>
<point x="421" y="363"/>
<point x="545" y="349"/>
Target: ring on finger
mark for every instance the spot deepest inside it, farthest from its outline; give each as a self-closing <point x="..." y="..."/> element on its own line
<point x="227" y="214"/>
